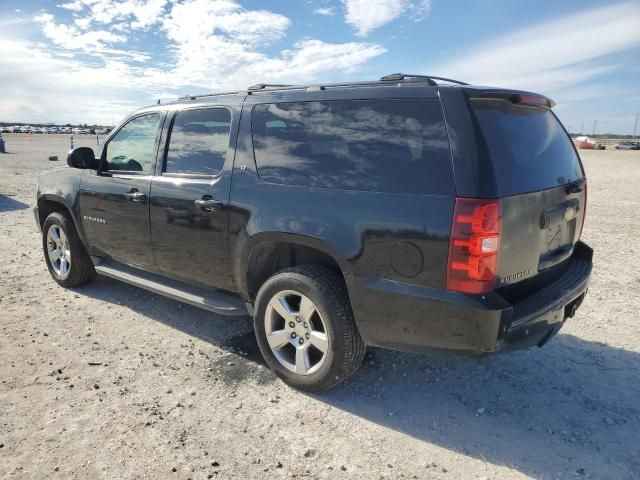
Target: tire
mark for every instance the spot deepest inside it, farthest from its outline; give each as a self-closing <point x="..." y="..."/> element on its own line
<point x="344" y="348"/>
<point x="80" y="267"/>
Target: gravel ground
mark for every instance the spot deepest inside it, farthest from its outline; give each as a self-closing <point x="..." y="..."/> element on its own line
<point x="109" y="381"/>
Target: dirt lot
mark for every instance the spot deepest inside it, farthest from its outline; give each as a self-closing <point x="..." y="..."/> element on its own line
<point x="110" y="381"/>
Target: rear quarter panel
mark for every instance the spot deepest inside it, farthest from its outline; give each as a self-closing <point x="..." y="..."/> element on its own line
<point x="401" y="237"/>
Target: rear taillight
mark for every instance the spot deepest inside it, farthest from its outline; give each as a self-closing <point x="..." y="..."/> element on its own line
<point x="473" y="249"/>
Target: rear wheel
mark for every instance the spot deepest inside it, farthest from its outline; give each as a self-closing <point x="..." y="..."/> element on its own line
<point x="66" y="257"/>
<point x="305" y="328"/>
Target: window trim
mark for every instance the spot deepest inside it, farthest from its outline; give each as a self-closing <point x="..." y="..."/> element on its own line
<point x="105" y="147"/>
<point x="196" y="176"/>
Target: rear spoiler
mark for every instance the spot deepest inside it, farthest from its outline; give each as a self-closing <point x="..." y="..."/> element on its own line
<point x="517" y="98"/>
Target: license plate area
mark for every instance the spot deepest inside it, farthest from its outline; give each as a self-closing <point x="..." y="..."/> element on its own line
<point x="558" y="225"/>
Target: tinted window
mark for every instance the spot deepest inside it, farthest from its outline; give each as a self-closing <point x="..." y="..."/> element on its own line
<point x="133" y="148"/>
<point x="529" y="148"/>
<point x="381" y="145"/>
<point x="199" y="141"/>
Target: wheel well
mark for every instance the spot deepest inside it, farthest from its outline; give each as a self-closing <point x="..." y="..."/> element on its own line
<point x="269" y="258"/>
<point x="47" y="207"/>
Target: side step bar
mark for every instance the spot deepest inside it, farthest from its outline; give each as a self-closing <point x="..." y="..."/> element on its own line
<point x="214" y="301"/>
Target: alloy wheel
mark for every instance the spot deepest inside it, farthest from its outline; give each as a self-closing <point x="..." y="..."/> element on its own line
<point x="296" y="332"/>
<point x="58" y="251"/>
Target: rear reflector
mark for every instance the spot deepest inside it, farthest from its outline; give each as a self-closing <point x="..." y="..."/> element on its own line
<point x="584" y="209"/>
<point x="473" y="251"/>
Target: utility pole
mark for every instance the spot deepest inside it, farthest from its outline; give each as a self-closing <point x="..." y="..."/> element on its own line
<point x="635" y="126"/>
<point x="582" y="128"/>
<point x="595" y="124"/>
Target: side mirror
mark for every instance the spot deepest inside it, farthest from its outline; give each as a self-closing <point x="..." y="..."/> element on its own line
<point x="83" y="158"/>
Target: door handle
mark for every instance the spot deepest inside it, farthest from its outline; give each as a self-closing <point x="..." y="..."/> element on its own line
<point x="135" y="196"/>
<point x="208" y="204"/>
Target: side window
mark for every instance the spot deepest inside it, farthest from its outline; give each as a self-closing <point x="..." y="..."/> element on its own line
<point x="199" y="141"/>
<point x="133" y="148"/>
<point x="398" y="146"/>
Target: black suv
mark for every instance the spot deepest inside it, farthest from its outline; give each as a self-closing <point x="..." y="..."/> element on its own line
<point x="404" y="213"/>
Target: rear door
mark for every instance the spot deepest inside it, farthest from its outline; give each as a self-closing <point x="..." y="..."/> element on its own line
<point x="540" y="181"/>
<point x="190" y="196"/>
<point x="114" y="203"/>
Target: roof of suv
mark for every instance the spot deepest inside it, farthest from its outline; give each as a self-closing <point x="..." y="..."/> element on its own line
<point x="392" y="80"/>
<point x="388" y="80"/>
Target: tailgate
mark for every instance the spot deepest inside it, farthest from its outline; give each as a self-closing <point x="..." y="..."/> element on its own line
<point x="539" y="230"/>
<point x="540" y="183"/>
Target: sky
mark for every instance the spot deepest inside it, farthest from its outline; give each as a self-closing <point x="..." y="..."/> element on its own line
<point x="94" y="61"/>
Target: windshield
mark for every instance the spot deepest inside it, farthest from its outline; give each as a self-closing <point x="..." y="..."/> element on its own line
<point x="529" y="148"/>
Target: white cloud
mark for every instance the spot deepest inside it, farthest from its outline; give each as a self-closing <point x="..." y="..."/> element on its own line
<point x="550" y="55"/>
<point x="69" y="36"/>
<point x="567" y="58"/>
<point x="94" y="42"/>
<point x="219" y="44"/>
<point x="325" y="11"/>
<point x="368" y="15"/>
<point x="143" y="13"/>
<point x="87" y="72"/>
<point x="196" y="21"/>
<point x="38" y="86"/>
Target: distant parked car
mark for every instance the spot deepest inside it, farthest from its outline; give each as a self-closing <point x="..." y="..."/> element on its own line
<point x="627" y="146"/>
<point x="587" y="143"/>
<point x="6" y="130"/>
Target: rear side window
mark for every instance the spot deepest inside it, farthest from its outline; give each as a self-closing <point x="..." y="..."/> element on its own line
<point x="529" y="149"/>
<point x="198" y="141"/>
<point x="373" y="145"/>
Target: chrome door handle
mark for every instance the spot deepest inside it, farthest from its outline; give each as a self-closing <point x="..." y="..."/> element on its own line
<point x="208" y="204"/>
<point x="135" y="196"/>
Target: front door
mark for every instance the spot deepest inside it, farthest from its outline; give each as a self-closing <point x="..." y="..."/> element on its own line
<point x="189" y="198"/>
<point x="114" y="201"/>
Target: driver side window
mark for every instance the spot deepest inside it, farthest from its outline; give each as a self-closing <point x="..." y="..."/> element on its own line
<point x="133" y="148"/>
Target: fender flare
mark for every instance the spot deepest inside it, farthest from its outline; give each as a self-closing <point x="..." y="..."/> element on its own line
<point x="53" y="198"/>
<point x="245" y="256"/>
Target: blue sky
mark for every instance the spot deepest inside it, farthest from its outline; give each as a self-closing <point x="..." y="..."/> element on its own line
<point x="96" y="60"/>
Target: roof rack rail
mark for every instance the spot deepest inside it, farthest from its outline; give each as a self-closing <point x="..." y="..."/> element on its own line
<point x="262" y="86"/>
<point x="394" y="77"/>
<point x="194" y="97"/>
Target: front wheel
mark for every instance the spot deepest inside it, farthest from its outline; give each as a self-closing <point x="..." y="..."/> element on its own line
<point x="66" y="257"/>
<point x="305" y="328"/>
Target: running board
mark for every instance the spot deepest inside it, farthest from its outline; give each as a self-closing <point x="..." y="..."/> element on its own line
<point x="214" y="301"/>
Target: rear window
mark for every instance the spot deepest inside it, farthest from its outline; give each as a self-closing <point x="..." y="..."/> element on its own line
<point x="529" y="148"/>
<point x="374" y="145"/>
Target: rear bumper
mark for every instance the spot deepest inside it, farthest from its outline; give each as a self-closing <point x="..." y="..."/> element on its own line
<point x="401" y="316"/>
